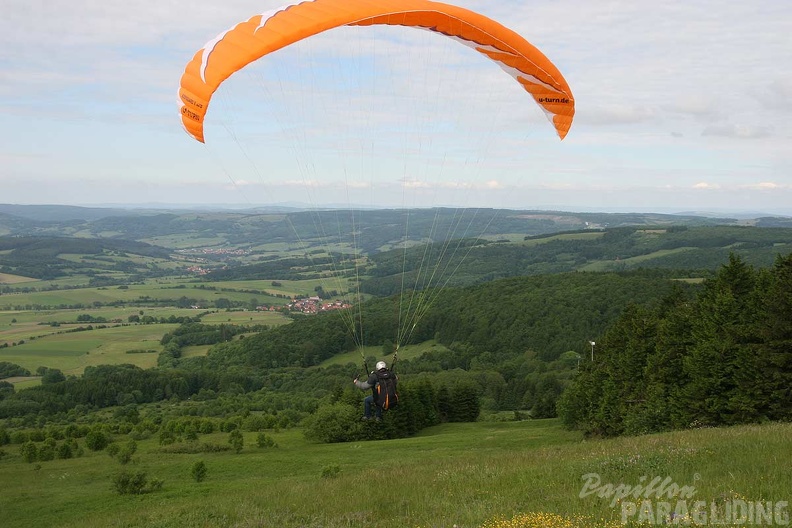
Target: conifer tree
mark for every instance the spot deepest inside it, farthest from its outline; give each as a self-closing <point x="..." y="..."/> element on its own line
<point x="721" y="331"/>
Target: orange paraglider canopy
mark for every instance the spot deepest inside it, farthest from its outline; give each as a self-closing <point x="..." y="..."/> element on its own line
<point x="262" y="34"/>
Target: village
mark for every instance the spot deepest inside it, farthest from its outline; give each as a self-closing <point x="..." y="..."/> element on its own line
<point x="308" y="305"/>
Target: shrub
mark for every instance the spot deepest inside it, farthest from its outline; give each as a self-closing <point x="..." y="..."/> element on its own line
<point x="96" y="440"/>
<point x="331" y="471"/>
<point x="206" y="427"/>
<point x="166" y="437"/>
<point x="72" y="431"/>
<point x="337" y="422"/>
<point x="265" y="440"/>
<point x="52" y="376"/>
<point x="46" y="452"/>
<point x="259" y="422"/>
<point x="191" y="433"/>
<point x="236" y="440"/>
<point x="29" y="452"/>
<point x="194" y="447"/>
<point x="228" y="425"/>
<point x="9" y="370"/>
<point x="19" y="437"/>
<point x="6" y="389"/>
<point x="126" y="483"/>
<point x="198" y="471"/>
<point x="126" y="452"/>
<point x="55" y="433"/>
<point x="64" y="451"/>
<point x="37" y="435"/>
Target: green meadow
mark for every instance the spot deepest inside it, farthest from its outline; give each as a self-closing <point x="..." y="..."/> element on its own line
<point x="72" y="352"/>
<point x="34" y="342"/>
<point x="405" y="352"/>
<point x="565" y="236"/>
<point x="462" y="475"/>
<point x="245" y="317"/>
<point x="291" y="288"/>
<point x="19" y="311"/>
<point x="6" y="278"/>
<point x="185" y="241"/>
<point x="159" y="291"/>
<point x="602" y="265"/>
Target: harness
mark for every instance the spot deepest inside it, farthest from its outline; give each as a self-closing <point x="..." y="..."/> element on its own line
<point x="376" y="390"/>
<point x="393" y="361"/>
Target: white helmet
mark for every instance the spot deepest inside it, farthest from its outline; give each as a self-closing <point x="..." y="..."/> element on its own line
<point x="381" y="365"/>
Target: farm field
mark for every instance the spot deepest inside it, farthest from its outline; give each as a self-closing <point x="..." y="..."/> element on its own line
<point x="160" y="291"/>
<point x="33" y="341"/>
<point x="291" y="288"/>
<point x="463" y="475"/>
<point x="602" y="265"/>
<point x="565" y="236"/>
<point x="245" y="317"/>
<point x="6" y="278"/>
<point x="405" y="352"/>
<point x="184" y="241"/>
<point x="72" y="352"/>
<point x="73" y="292"/>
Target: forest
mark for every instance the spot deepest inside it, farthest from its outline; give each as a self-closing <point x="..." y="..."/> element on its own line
<point x="509" y="330"/>
<point x="721" y="358"/>
<point x="515" y="343"/>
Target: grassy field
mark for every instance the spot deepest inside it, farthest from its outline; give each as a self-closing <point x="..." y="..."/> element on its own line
<point x="53" y="347"/>
<point x="405" y="352"/>
<point x="603" y="265"/>
<point x="72" y="352"/>
<point x="566" y="236"/>
<point x="513" y="474"/>
<point x="6" y="278"/>
<point x="172" y="290"/>
<point x="152" y="291"/>
<point x="185" y="241"/>
<point x="247" y="317"/>
<point x="291" y="288"/>
<point x="36" y="345"/>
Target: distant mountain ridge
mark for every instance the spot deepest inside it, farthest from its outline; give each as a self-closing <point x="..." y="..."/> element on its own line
<point x="258" y="224"/>
<point x="282" y="243"/>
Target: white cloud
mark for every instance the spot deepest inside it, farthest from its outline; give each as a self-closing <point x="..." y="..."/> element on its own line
<point x="616" y="114"/>
<point x="777" y="96"/>
<point x="663" y="90"/>
<point x="766" y="186"/>
<point x="729" y="130"/>
<point x="695" y="105"/>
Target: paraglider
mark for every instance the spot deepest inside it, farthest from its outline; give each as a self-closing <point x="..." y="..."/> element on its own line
<point x="265" y="33"/>
<point x="276" y="29"/>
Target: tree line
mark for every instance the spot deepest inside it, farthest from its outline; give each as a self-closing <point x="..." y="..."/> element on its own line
<point x="721" y="358"/>
<point x="689" y="251"/>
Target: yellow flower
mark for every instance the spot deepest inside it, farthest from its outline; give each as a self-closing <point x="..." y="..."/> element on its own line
<point x="546" y="520"/>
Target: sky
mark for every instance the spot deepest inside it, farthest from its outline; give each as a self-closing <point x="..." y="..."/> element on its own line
<point x="680" y="107"/>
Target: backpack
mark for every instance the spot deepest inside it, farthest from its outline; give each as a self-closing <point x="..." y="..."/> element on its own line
<point x="385" y="395"/>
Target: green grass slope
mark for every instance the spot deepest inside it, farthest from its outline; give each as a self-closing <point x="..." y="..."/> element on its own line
<point x="461" y="475"/>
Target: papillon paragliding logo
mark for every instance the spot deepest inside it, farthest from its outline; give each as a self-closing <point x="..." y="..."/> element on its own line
<point x="661" y="501"/>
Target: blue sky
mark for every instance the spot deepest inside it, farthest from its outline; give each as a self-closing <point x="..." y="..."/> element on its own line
<point x="681" y="106"/>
